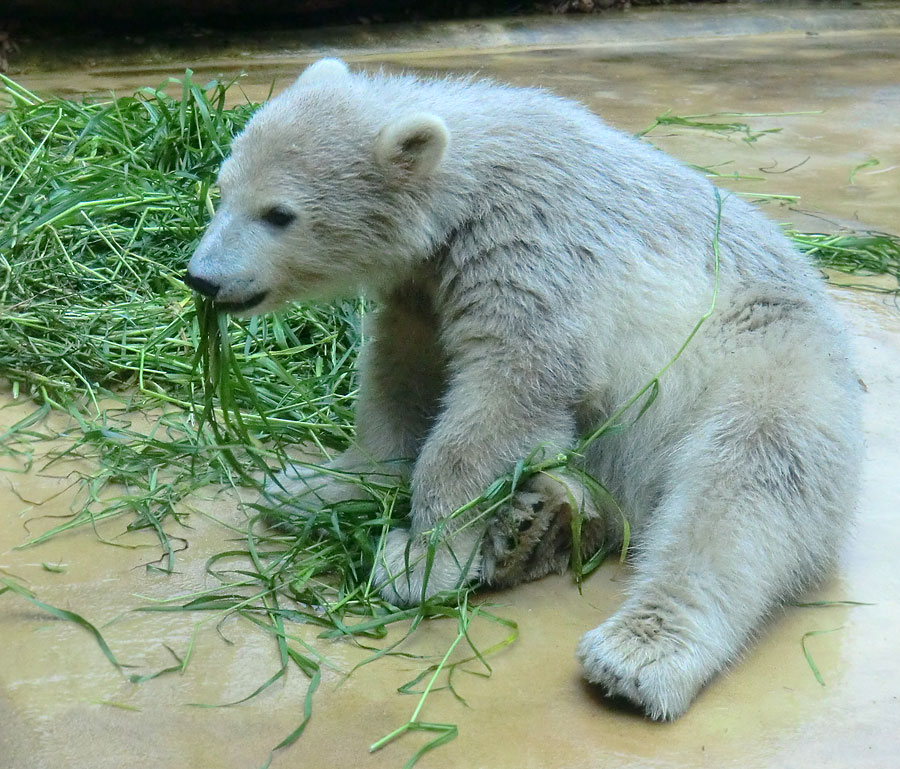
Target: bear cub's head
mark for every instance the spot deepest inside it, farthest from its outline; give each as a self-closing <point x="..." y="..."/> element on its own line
<point x="323" y="194"/>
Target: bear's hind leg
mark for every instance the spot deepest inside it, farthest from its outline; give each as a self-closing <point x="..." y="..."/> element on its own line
<point x="754" y="510"/>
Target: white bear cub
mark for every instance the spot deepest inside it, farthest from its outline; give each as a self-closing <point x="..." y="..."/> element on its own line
<point x="532" y="269"/>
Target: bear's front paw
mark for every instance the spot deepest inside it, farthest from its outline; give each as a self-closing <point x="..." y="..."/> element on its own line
<point x="402" y="574"/>
<point x="532" y="535"/>
<point x="296" y="493"/>
<point x="642" y="655"/>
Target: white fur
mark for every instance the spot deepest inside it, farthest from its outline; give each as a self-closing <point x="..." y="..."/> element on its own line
<point x="323" y="71"/>
<point x="413" y="145"/>
<point x="531" y="275"/>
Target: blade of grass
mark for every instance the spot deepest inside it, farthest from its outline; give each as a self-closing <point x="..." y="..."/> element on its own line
<point x="63" y="614"/>
<point x="806" y="653"/>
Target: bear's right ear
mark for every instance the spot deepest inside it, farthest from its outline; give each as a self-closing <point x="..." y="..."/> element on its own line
<point x="322" y="71"/>
<point x="412" y="146"/>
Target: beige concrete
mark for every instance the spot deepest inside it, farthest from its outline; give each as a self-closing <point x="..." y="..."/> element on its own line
<point x="769" y="711"/>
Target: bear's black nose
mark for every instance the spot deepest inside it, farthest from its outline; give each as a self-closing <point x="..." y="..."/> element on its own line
<point x="201" y="286"/>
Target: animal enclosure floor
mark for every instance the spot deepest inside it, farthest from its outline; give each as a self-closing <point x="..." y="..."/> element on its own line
<point x="63" y="705"/>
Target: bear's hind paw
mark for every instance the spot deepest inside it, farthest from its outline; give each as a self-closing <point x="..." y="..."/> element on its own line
<point x="639" y="655"/>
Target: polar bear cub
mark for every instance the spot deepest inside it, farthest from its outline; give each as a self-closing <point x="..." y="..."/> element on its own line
<point x="532" y="268"/>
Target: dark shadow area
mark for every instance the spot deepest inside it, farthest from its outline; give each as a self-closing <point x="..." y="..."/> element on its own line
<point x="615" y="703"/>
<point x="72" y="31"/>
<point x="182" y="22"/>
<point x="151" y="14"/>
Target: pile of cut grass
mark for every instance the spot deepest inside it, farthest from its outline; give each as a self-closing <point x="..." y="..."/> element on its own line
<point x="101" y="204"/>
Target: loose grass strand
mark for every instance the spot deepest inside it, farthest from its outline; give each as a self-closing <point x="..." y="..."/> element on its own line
<point x="63" y="614"/>
<point x="809" y="658"/>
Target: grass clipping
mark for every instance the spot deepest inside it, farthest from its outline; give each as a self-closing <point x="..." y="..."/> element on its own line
<point x="101" y="204"/>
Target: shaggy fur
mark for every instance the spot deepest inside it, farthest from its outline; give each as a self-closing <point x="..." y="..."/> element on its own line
<point x="533" y="268"/>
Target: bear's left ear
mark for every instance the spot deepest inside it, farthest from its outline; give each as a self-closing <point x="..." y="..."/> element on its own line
<point x="322" y="71"/>
<point x="412" y="146"/>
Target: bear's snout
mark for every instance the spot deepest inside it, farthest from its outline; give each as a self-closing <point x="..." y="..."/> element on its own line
<point x="201" y="286"/>
<point x="212" y="290"/>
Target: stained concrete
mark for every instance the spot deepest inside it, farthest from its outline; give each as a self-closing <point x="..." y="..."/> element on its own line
<point x="63" y="705"/>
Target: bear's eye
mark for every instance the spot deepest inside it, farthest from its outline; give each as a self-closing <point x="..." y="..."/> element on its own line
<point x="278" y="217"/>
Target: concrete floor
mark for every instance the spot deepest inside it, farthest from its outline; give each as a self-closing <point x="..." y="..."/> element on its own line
<point x="60" y="699"/>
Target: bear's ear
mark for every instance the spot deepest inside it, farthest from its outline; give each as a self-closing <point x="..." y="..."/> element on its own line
<point x="322" y="71"/>
<point x="412" y="146"/>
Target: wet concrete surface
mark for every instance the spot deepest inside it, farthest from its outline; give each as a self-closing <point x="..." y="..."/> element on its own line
<point x="846" y="82"/>
<point x="63" y="705"/>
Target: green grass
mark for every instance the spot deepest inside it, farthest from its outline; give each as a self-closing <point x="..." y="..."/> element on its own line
<point x="722" y="123"/>
<point x="101" y="204"/>
<point x="863" y="254"/>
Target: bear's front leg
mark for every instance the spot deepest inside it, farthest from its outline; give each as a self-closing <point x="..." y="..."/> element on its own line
<point x="401" y="378"/>
<point x="411" y="569"/>
<point x="498" y="408"/>
<point x="299" y="490"/>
